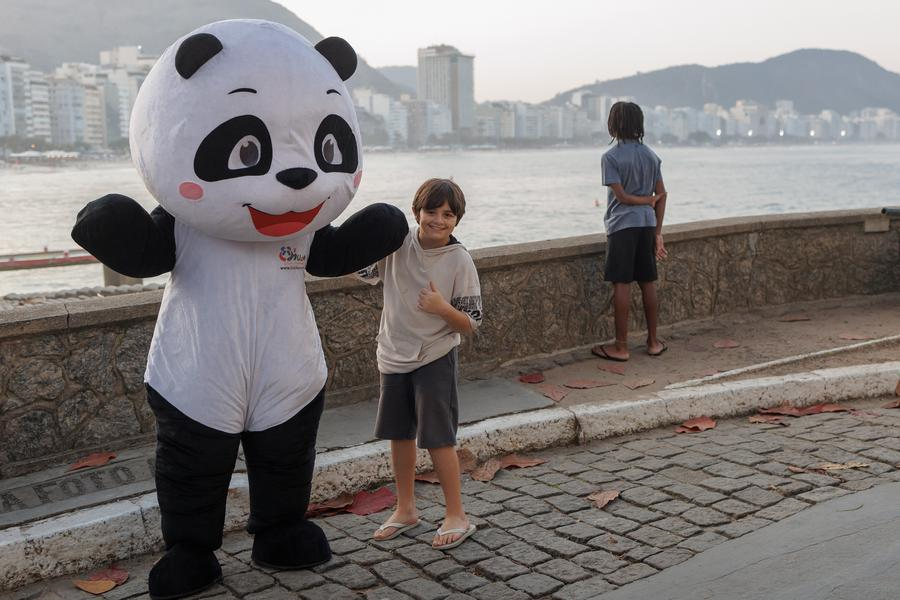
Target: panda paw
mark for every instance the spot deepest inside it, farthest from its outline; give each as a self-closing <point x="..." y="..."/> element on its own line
<point x="299" y="546"/>
<point x="183" y="571"/>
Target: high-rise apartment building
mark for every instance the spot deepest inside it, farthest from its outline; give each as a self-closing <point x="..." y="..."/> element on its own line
<point x="446" y="76"/>
<point x="13" y="104"/>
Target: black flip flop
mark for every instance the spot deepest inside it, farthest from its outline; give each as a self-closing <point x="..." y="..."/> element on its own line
<point x="654" y="354"/>
<point x="601" y="352"/>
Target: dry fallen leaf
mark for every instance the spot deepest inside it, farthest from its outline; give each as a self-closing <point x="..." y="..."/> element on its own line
<point x="532" y="378"/>
<point x="612" y="368"/>
<point x="586" y="384"/>
<point x="696" y="425"/>
<point x="784" y="409"/>
<point x="98" y="459"/>
<point x="329" y="507"/>
<point x="633" y="384"/>
<point x="843" y="466"/>
<point x="367" y="503"/>
<point x="601" y="499"/>
<point x="428" y="477"/>
<point x="826" y="407"/>
<point x="467" y="460"/>
<point x="554" y="392"/>
<point x="100" y="586"/>
<point x="768" y="419"/>
<point x="487" y="471"/>
<point x="855" y="336"/>
<point x="794" y="469"/>
<point x="793" y="317"/>
<point x="113" y="573"/>
<point x="894" y="404"/>
<point x="520" y="462"/>
<point x="726" y="343"/>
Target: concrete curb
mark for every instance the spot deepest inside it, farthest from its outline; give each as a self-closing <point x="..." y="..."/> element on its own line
<point x="97" y="536"/>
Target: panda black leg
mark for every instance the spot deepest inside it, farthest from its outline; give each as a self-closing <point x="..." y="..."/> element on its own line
<point x="194" y="464"/>
<point x="280" y="463"/>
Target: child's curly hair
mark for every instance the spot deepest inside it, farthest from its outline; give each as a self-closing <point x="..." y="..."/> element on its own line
<point x="626" y="122"/>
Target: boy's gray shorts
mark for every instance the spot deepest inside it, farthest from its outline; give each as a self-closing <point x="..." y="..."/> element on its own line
<point x="420" y="405"/>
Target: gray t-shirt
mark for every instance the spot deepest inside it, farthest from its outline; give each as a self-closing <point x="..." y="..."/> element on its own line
<point x="637" y="168"/>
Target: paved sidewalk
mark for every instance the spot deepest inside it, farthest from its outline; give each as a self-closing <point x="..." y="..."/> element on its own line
<point x="540" y="538"/>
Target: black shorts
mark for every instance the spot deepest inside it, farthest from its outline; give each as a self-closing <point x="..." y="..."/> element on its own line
<point x="631" y="255"/>
<point x="420" y="405"/>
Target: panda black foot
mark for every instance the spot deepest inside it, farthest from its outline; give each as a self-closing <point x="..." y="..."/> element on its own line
<point x="183" y="571"/>
<point x="299" y="546"/>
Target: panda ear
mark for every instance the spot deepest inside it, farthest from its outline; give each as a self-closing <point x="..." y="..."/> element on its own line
<point x="340" y="54"/>
<point x="194" y="52"/>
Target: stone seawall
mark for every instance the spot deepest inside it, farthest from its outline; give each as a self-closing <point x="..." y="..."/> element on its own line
<point x="71" y="374"/>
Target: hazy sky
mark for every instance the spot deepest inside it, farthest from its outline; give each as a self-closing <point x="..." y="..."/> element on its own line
<point x="531" y="49"/>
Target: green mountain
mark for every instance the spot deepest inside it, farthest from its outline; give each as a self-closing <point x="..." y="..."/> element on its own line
<point x="814" y="79"/>
<point x="49" y="32"/>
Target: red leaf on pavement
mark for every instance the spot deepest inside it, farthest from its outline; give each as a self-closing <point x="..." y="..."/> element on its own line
<point x="633" y="384"/>
<point x="826" y="407"/>
<point x="855" y="336"/>
<point x="488" y="470"/>
<point x="100" y="586"/>
<point x="366" y="503"/>
<point x="98" y="459"/>
<point x="112" y="573"/>
<point x="601" y="499"/>
<point x="794" y="469"/>
<point x="768" y="419"/>
<point x="520" y="462"/>
<point x="611" y="368"/>
<point x="532" y="378"/>
<point x="329" y="507"/>
<point x="696" y="425"/>
<point x="586" y="384"/>
<point x="793" y="317"/>
<point x="428" y="477"/>
<point x="784" y="409"/>
<point x="726" y="343"/>
<point x="894" y="404"/>
<point x="467" y="460"/>
<point x="554" y="392"/>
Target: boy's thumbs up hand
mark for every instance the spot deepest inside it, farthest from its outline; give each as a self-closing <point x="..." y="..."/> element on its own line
<point x="430" y="299"/>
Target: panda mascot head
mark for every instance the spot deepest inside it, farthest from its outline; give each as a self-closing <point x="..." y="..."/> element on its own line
<point x="245" y="130"/>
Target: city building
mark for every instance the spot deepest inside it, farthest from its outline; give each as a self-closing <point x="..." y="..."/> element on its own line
<point x="446" y="76"/>
<point x="13" y="101"/>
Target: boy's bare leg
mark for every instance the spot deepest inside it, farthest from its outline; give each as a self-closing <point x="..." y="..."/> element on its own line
<point x="648" y="294"/>
<point x="446" y="465"/>
<point x="403" y="458"/>
<point x="621" y="305"/>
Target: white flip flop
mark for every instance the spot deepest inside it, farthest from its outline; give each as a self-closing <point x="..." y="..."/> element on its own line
<point x="465" y="535"/>
<point x="398" y="529"/>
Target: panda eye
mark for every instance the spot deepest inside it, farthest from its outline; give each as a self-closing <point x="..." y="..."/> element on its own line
<point x="245" y="154"/>
<point x="330" y="150"/>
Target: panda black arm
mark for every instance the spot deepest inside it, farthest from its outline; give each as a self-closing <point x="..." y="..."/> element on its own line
<point x="121" y="235"/>
<point x="362" y="240"/>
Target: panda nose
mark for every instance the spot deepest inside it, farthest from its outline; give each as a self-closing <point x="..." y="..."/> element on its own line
<point x="297" y="178"/>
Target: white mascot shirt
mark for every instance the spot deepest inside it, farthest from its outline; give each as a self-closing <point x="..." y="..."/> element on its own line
<point x="236" y="345"/>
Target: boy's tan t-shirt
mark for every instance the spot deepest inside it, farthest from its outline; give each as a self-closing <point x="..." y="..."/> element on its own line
<point x="409" y="337"/>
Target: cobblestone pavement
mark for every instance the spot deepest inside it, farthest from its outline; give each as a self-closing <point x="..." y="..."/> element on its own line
<point x="539" y="537"/>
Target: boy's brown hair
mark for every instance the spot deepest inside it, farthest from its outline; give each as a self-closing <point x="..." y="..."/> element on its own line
<point x="434" y="192"/>
<point x="626" y="121"/>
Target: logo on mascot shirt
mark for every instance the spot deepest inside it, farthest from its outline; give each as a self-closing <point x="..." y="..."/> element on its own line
<point x="290" y="259"/>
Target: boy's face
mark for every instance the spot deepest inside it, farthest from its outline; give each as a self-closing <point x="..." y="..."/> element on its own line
<point x="436" y="225"/>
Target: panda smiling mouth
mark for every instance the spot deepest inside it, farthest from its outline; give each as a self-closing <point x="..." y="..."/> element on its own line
<point x="283" y="224"/>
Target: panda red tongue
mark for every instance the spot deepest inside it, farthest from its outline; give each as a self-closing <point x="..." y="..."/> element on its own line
<point x="283" y="224"/>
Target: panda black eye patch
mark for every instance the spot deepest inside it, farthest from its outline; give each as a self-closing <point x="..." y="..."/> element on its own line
<point x="211" y="162"/>
<point x="335" y="126"/>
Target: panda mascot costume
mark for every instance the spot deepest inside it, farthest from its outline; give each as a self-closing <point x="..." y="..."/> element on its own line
<point x="246" y="135"/>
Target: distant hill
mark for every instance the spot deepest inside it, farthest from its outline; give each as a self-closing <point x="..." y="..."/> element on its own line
<point x="403" y="76"/>
<point x="814" y="79"/>
<point x="49" y="32"/>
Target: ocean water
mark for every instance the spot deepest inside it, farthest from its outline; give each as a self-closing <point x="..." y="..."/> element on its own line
<point x="512" y="195"/>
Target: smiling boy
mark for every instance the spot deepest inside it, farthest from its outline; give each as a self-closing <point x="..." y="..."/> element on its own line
<point x="431" y="296"/>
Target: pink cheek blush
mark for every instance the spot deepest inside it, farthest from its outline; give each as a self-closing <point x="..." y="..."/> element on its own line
<point x="357" y="179"/>
<point x="190" y="191"/>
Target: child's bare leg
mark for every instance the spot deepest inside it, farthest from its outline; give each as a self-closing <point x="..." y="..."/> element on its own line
<point x="446" y="465"/>
<point x="621" y="305"/>
<point x="648" y="294"/>
<point x="403" y="459"/>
